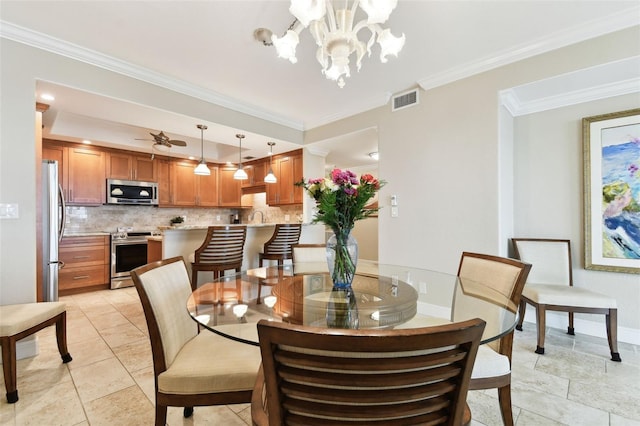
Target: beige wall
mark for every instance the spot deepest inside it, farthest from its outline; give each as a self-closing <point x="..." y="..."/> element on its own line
<point x="442" y="158"/>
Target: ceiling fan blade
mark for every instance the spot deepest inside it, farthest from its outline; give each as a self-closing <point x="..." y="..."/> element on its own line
<point x="177" y="142"/>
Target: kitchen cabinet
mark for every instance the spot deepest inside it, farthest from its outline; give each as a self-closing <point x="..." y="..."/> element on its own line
<point x="288" y="170"/>
<point x="81" y="172"/>
<point x="229" y="188"/>
<point x="163" y="167"/>
<point x="86" y="171"/>
<point x="188" y="189"/>
<point x="51" y="151"/>
<point x="256" y="172"/>
<point x="86" y="264"/>
<point x="131" y="167"/>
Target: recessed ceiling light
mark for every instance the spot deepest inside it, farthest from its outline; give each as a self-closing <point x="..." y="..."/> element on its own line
<point x="191" y="157"/>
<point x="47" y="97"/>
<point x="86" y="141"/>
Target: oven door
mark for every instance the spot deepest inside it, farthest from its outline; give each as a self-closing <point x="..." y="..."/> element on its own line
<point x="126" y="255"/>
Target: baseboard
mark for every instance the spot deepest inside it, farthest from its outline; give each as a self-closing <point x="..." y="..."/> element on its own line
<point x="592" y="328"/>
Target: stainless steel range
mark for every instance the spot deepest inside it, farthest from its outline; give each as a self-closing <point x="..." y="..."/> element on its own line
<point x="128" y="251"/>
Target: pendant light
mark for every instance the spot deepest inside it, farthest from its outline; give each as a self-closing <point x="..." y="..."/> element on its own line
<point x="240" y="174"/>
<point x="270" y="177"/>
<point x="201" y="168"/>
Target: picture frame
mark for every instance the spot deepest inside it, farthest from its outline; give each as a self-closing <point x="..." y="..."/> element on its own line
<point x="611" y="153"/>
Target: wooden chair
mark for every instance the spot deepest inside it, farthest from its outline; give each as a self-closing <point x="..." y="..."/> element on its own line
<point x="550" y="288"/>
<point x="504" y="277"/>
<point x="278" y="247"/>
<point x="22" y="320"/>
<point x="316" y="376"/>
<point x="221" y="250"/>
<point x="190" y="368"/>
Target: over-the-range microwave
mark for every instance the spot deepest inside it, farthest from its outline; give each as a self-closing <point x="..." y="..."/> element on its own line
<point x="132" y="192"/>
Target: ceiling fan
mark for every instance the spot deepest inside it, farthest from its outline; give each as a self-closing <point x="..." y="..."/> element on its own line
<point x="162" y="139"/>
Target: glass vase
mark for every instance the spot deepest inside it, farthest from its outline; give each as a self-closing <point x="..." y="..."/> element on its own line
<point x="342" y="258"/>
<point x="342" y="310"/>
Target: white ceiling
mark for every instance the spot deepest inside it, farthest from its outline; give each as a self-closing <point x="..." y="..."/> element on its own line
<point x="206" y="49"/>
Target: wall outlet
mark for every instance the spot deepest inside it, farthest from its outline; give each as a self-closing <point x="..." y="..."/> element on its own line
<point x="287" y="217"/>
<point x="394" y="212"/>
<point x="184" y="219"/>
<point x="217" y="218"/>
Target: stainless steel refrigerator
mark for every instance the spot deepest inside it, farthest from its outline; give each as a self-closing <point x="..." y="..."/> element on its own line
<point x="53" y="219"/>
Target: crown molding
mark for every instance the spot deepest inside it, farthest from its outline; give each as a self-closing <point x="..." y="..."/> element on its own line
<point x="595" y="28"/>
<point x="73" y="51"/>
<point x="594" y="85"/>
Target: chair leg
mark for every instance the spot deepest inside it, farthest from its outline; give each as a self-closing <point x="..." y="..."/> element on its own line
<point x="9" y="368"/>
<point x="612" y="334"/>
<point x="61" y="337"/>
<point x="571" y="330"/>
<point x="161" y="414"/>
<point x="194" y="277"/>
<point x="540" y="321"/>
<point x="521" y="311"/>
<point x="504" y="398"/>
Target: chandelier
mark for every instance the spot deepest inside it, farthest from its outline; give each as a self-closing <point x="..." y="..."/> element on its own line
<point x="336" y="35"/>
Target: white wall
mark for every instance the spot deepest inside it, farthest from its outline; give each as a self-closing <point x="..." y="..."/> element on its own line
<point x="549" y="202"/>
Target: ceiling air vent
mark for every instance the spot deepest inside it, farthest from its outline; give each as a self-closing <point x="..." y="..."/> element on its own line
<point x="404" y="100"/>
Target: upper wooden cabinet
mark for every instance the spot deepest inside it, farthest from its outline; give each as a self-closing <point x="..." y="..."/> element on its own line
<point x="163" y="168"/>
<point x="81" y="171"/>
<point x="86" y="171"/>
<point x="229" y="187"/>
<point x="288" y="170"/>
<point x="256" y="172"/>
<point x="188" y="189"/>
<point x="131" y="167"/>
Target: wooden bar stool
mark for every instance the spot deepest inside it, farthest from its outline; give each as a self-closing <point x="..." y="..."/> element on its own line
<point x="221" y="250"/>
<point x="278" y="248"/>
<point x="20" y="321"/>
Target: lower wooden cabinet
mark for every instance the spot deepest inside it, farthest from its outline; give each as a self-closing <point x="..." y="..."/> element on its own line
<point x="86" y="264"/>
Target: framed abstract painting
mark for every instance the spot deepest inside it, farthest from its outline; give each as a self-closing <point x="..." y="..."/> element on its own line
<point x="611" y="146"/>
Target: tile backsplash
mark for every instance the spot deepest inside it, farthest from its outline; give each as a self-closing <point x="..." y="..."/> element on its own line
<point x="108" y="218"/>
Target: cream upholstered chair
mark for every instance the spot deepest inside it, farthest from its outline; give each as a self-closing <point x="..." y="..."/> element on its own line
<point x="309" y="258"/>
<point x="221" y="250"/>
<point x="550" y="288"/>
<point x="190" y="368"/>
<point x="318" y="376"/>
<point x="22" y="320"/>
<point x="278" y="247"/>
<point x="489" y="275"/>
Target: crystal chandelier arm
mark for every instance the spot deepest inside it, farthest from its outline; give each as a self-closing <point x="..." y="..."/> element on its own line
<point x="389" y="44"/>
<point x="286" y="45"/>
<point x="378" y="11"/>
<point x="331" y="16"/>
<point x="307" y="11"/>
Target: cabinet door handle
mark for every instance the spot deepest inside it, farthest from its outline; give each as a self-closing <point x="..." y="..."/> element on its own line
<point x="81" y="257"/>
<point x="81" y="277"/>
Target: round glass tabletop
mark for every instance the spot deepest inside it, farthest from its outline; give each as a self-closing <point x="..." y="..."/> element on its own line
<point x="383" y="296"/>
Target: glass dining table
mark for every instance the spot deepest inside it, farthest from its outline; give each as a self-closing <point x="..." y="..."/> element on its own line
<point x="384" y="297"/>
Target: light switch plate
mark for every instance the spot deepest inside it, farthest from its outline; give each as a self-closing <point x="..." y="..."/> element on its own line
<point x="9" y="211"/>
<point x="394" y="212"/>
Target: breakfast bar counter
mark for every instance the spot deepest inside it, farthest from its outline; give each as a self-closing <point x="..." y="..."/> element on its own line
<point x="183" y="241"/>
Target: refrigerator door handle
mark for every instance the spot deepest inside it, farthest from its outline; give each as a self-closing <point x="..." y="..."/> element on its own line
<point x="63" y="216"/>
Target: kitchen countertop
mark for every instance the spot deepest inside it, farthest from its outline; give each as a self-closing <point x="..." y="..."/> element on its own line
<point x="85" y="234"/>
<point x="189" y="227"/>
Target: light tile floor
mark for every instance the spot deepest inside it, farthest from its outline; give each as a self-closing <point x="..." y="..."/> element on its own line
<point x="110" y="380"/>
